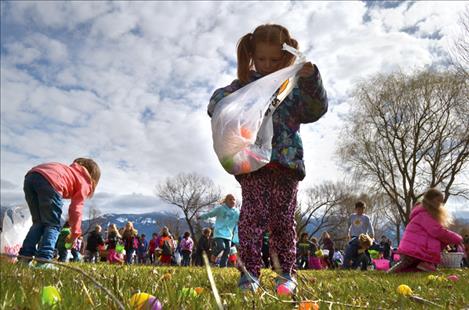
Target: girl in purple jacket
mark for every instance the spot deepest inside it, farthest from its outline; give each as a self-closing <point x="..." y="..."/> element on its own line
<point x="426" y="235"/>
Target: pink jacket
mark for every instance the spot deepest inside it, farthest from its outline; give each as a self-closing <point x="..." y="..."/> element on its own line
<point x="424" y="237"/>
<point x="72" y="182"/>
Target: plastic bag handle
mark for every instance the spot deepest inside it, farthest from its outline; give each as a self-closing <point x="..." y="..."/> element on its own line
<point x="301" y="57"/>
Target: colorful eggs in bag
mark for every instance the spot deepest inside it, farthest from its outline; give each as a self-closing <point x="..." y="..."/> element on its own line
<point x="245" y="133"/>
<point x="245" y="167"/>
<point x="228" y="164"/>
<point x="50" y="296"/>
<point x="68" y="245"/>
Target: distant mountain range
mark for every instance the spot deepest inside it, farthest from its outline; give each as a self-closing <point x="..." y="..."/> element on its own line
<point x="146" y="223"/>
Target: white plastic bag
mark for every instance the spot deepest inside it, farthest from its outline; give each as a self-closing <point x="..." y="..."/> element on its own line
<point x="242" y="127"/>
<point x="15" y="226"/>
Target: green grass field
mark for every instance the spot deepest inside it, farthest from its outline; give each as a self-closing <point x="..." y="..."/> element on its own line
<point x="21" y="288"/>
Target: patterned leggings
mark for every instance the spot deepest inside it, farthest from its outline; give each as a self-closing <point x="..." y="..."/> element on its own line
<point x="269" y="202"/>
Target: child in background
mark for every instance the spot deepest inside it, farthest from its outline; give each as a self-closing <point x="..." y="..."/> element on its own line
<point x="94" y="241"/>
<point x="167" y="247"/>
<point x="303" y="249"/>
<point x="426" y="234"/>
<point x="233" y="258"/>
<point x="113" y="238"/>
<point x="61" y="240"/>
<point x="328" y="244"/>
<point x="130" y="238"/>
<point x="355" y="255"/>
<point x="45" y="187"/>
<point x="186" y="246"/>
<point x="76" y="249"/>
<point x="359" y="222"/>
<point x="270" y="193"/>
<point x="142" y="249"/>
<point x="227" y="217"/>
<point x="153" y="244"/>
<point x="314" y="260"/>
<point x="204" y="245"/>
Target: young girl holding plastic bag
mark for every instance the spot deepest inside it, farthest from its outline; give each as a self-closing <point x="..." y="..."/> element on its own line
<point x="268" y="183"/>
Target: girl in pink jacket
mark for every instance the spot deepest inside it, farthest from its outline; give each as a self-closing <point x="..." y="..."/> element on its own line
<point x="45" y="187"/>
<point x="426" y="235"/>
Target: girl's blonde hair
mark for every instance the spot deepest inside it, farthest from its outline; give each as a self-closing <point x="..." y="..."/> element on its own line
<point x="435" y="208"/>
<point x="131" y="228"/>
<point x="113" y="227"/>
<point x="269" y="33"/>
<point x="226" y="198"/>
<point x="93" y="170"/>
<point x="365" y="240"/>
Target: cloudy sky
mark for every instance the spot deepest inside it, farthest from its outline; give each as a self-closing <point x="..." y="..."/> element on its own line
<point x="128" y="83"/>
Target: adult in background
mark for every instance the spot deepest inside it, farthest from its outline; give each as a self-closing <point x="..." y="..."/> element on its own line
<point x="359" y="222"/>
<point x="93" y="242"/>
<point x="227" y="217"/>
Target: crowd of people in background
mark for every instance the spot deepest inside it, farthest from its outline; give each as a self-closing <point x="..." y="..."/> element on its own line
<point x="125" y="245"/>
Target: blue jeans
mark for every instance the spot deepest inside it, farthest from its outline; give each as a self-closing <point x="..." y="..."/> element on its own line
<point x="129" y="254"/>
<point x="45" y="205"/>
<point x="222" y="245"/>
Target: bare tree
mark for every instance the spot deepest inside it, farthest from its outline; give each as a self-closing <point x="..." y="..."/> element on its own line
<point x="93" y="218"/>
<point x="191" y="193"/>
<point x="459" y="51"/>
<point x="407" y="133"/>
<point x="321" y="206"/>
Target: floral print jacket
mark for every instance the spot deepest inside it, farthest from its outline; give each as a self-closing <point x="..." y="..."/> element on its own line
<point x="305" y="104"/>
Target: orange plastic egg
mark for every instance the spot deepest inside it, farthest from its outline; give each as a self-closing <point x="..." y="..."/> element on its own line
<point x="245" y="133"/>
<point x="245" y="167"/>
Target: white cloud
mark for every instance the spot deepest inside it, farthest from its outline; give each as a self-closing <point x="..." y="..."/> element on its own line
<point x="128" y="82"/>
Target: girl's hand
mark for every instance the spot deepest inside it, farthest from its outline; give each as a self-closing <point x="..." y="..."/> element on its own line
<point x="307" y="70"/>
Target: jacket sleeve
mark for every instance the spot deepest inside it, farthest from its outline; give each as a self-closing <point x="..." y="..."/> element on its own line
<point x="313" y="101"/>
<point x="211" y="213"/>
<point x="221" y="93"/>
<point x="446" y="236"/>
<point x="75" y="212"/>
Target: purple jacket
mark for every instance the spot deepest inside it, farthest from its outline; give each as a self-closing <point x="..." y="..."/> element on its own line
<point x="186" y="244"/>
<point x="424" y="237"/>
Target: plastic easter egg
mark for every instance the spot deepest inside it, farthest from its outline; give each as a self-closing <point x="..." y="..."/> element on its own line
<point x="282" y="290"/>
<point x="153" y="304"/>
<point x="50" y="296"/>
<point x="119" y="248"/>
<point x="228" y="163"/>
<point x="245" y="133"/>
<point x="308" y="305"/>
<point x="199" y="290"/>
<point x="188" y="292"/>
<point x="431" y="278"/>
<point x="167" y="276"/>
<point x="139" y="300"/>
<point x="453" y="278"/>
<point x="68" y="245"/>
<point x="245" y="167"/>
<point x="404" y="290"/>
